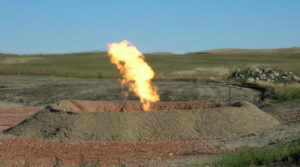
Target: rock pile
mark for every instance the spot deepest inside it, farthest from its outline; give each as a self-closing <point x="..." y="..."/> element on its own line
<point x="252" y="74"/>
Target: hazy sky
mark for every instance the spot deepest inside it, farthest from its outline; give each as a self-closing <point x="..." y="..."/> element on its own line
<point x="59" y="26"/>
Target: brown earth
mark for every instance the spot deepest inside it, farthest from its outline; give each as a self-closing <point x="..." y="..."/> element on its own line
<point x="126" y="106"/>
<point x="28" y="152"/>
<point x="204" y="123"/>
<point x="40" y="91"/>
<point x="19" y="152"/>
<point x="13" y="114"/>
<point x="285" y="112"/>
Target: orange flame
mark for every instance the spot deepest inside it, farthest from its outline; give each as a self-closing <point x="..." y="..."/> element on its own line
<point x="136" y="72"/>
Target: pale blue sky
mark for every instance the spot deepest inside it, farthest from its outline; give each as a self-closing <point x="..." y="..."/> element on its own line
<point x="60" y="26"/>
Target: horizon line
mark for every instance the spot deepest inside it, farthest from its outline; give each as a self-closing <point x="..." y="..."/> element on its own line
<point x="164" y="52"/>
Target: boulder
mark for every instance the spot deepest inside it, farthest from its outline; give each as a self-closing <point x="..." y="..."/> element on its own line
<point x="253" y="73"/>
<point x="252" y="70"/>
<point x="250" y="80"/>
<point x="261" y="76"/>
<point x="271" y="76"/>
<point x="266" y="70"/>
<point x="242" y="76"/>
<point x="236" y="74"/>
<point x="297" y="78"/>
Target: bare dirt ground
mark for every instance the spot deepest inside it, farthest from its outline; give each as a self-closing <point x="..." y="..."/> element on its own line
<point x="43" y="153"/>
<point x="178" y="123"/>
<point x="21" y="97"/>
<point x="41" y="91"/>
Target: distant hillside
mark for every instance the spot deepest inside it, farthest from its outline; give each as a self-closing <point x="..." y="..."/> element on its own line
<point x="292" y="50"/>
<point x="198" y="65"/>
<point x="158" y="53"/>
<point x="228" y="51"/>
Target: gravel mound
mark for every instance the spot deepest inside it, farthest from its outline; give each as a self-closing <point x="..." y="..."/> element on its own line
<point x="205" y="123"/>
<point x="125" y="106"/>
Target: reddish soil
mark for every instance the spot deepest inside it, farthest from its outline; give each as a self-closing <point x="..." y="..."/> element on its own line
<point x="16" y="152"/>
<point x="12" y="116"/>
<point x="44" y="153"/>
<point x="126" y="106"/>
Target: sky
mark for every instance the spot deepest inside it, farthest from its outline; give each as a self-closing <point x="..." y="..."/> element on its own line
<point x="178" y="26"/>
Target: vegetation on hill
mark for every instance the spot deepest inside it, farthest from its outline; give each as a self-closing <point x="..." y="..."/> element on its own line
<point x="292" y="50"/>
<point x="200" y="66"/>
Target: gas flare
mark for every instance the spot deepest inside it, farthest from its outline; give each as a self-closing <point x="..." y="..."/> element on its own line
<point x="136" y="72"/>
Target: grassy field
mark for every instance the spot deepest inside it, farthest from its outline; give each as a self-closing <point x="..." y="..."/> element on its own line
<point x="258" y="156"/>
<point x="199" y="65"/>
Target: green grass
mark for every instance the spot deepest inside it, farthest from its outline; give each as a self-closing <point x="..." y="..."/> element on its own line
<point x="287" y="94"/>
<point x="166" y="66"/>
<point x="257" y="156"/>
<point x="282" y="91"/>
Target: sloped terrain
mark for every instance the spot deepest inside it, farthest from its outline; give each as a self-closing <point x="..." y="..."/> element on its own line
<point x="204" y="123"/>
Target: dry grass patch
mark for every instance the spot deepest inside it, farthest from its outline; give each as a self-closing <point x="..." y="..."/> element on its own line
<point x="19" y="60"/>
<point x="199" y="73"/>
<point x="49" y="71"/>
<point x="283" y="91"/>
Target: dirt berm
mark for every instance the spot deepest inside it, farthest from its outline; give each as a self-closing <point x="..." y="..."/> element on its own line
<point x="67" y="121"/>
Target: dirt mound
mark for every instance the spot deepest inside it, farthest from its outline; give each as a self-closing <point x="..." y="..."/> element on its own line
<point x="125" y="106"/>
<point x="12" y="114"/>
<point x="220" y="122"/>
